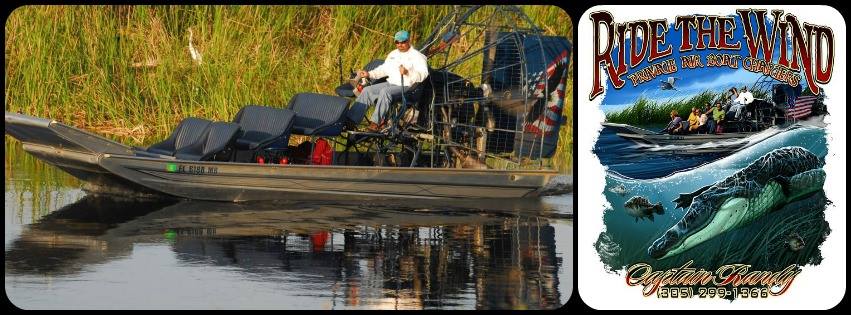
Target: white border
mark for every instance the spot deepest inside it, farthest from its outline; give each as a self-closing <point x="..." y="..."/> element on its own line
<point x="817" y="287"/>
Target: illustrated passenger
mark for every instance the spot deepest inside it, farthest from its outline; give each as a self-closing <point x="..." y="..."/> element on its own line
<point x="743" y="98"/>
<point x="675" y="126"/>
<point x="693" y="119"/>
<point x="703" y="122"/>
<point x="733" y="95"/>
<point x="403" y="61"/>
<point x="710" y="122"/>
<point x="718" y="113"/>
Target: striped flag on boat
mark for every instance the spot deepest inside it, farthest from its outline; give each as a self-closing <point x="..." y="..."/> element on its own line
<point x="801" y="107"/>
<point x="551" y="117"/>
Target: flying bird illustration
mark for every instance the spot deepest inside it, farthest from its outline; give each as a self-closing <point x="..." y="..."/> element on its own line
<point x="668" y="84"/>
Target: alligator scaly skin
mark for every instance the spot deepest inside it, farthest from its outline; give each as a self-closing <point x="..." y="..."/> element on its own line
<point x="756" y="183"/>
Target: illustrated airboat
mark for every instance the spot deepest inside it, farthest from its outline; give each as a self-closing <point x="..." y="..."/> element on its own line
<point x="783" y="107"/>
<point x="483" y="125"/>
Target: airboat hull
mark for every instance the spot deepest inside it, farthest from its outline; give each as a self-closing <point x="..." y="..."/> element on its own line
<point x="113" y="168"/>
<point x="644" y="136"/>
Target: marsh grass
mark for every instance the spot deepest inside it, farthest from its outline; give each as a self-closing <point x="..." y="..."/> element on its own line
<point x="646" y="111"/>
<point x="126" y="71"/>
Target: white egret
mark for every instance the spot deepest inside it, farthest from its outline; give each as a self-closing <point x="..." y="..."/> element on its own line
<point x="196" y="56"/>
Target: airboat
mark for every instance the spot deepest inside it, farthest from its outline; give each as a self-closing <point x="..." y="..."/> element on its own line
<point x="783" y="110"/>
<point x="480" y="126"/>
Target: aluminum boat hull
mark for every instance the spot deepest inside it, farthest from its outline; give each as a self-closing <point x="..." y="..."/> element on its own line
<point x="110" y="167"/>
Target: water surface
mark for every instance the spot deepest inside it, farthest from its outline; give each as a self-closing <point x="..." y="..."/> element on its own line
<point x="628" y="159"/>
<point x="65" y="249"/>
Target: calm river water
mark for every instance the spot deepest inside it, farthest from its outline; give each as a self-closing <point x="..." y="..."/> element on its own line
<point x="65" y="249"/>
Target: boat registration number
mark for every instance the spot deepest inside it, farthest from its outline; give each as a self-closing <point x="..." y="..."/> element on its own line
<point x="191" y="169"/>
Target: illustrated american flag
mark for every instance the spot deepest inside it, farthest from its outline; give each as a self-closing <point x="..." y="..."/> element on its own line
<point x="551" y="116"/>
<point x="800" y="107"/>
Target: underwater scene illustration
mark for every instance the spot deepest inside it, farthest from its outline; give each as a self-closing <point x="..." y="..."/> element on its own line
<point x="763" y="205"/>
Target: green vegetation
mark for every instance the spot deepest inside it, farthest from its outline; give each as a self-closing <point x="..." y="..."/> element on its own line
<point x="126" y="71"/>
<point x="645" y="111"/>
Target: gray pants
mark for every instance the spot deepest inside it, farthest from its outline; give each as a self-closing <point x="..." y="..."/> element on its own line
<point x="737" y="108"/>
<point x="382" y="95"/>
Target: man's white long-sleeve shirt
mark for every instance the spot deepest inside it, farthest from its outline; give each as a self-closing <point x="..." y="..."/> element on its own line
<point x="414" y="61"/>
<point x="745" y="98"/>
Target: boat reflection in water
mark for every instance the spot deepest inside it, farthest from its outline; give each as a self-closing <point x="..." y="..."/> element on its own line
<point x="387" y="255"/>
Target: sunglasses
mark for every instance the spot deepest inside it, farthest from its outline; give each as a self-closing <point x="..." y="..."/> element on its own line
<point x="398" y="42"/>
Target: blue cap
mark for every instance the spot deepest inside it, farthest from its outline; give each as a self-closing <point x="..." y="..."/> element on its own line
<point x="401" y="36"/>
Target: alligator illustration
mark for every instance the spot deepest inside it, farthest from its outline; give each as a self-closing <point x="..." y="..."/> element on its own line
<point x="775" y="179"/>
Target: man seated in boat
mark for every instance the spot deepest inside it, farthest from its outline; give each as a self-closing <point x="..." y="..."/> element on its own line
<point x="693" y="120"/>
<point x="676" y="124"/>
<point x="703" y="125"/>
<point x="740" y="104"/>
<point x="718" y="115"/>
<point x="710" y="121"/>
<point x="402" y="65"/>
<point x="732" y="94"/>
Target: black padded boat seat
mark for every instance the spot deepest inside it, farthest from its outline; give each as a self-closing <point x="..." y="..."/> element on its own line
<point x="187" y="132"/>
<point x="318" y="114"/>
<point x="216" y="138"/>
<point x="262" y="126"/>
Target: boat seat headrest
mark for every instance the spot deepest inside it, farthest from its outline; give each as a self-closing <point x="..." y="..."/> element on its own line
<point x="216" y="138"/>
<point x="263" y="125"/>
<point x="187" y="132"/>
<point x="318" y="114"/>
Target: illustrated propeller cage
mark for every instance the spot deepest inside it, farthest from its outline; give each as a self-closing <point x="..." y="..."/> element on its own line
<point x="495" y="93"/>
<point x="775" y="93"/>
